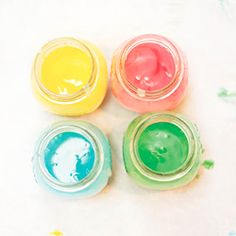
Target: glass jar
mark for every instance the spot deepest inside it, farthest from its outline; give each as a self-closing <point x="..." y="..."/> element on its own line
<point x="70" y="77"/>
<point x="162" y="150"/>
<point x="72" y="159"/>
<point x="149" y="73"/>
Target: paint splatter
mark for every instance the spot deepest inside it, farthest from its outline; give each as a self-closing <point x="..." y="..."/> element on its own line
<point x="56" y="233"/>
<point x="227" y="95"/>
<point x="208" y="164"/>
<point x="223" y="92"/>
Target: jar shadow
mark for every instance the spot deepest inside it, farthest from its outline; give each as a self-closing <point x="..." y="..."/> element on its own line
<point x="184" y="103"/>
<point x="112" y="106"/>
<point x="132" y="188"/>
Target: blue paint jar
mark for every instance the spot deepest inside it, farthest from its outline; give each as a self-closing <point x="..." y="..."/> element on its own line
<point x="73" y="159"/>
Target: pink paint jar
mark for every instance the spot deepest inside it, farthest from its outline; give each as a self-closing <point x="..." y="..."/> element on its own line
<point x="149" y="73"/>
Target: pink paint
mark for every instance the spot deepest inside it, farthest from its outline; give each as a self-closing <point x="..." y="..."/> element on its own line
<point x="149" y="67"/>
<point x="149" y="74"/>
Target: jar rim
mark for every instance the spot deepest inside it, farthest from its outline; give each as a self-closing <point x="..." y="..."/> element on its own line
<point x="69" y="126"/>
<point x="50" y="47"/>
<point x="187" y="128"/>
<point x="121" y="56"/>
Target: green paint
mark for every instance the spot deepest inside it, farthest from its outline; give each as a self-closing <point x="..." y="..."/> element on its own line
<point x="223" y="92"/>
<point x="208" y="164"/>
<point x="163" y="147"/>
<point x="227" y="95"/>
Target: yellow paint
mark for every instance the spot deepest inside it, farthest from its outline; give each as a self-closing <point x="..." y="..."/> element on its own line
<point x="62" y="76"/>
<point x="56" y="233"/>
<point x="66" y="70"/>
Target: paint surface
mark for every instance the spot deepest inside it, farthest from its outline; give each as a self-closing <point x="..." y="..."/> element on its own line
<point x="163" y="147"/>
<point x="149" y="67"/>
<point x="69" y="157"/>
<point x="66" y="70"/>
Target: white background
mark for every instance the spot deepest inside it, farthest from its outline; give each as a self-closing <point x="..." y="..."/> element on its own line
<point x="206" y="31"/>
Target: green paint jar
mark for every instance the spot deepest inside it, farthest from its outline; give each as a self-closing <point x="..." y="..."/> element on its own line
<point x="162" y="150"/>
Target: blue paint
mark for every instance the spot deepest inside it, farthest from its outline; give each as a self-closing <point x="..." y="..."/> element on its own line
<point x="76" y="155"/>
<point x="69" y="157"/>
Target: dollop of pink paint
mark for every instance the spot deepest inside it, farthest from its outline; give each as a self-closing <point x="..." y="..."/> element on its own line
<point x="149" y="66"/>
<point x="149" y="63"/>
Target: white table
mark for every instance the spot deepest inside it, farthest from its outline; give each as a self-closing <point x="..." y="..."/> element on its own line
<point x="206" y="31"/>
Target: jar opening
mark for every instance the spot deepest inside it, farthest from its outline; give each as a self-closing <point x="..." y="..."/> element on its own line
<point x="150" y="66"/>
<point x="65" y="69"/>
<point x="163" y="146"/>
<point x="69" y="158"/>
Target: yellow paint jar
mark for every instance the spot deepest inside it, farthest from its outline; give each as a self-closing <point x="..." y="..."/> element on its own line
<point x="70" y="77"/>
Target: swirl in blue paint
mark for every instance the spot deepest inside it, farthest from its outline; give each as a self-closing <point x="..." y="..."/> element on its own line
<point x="69" y="157"/>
